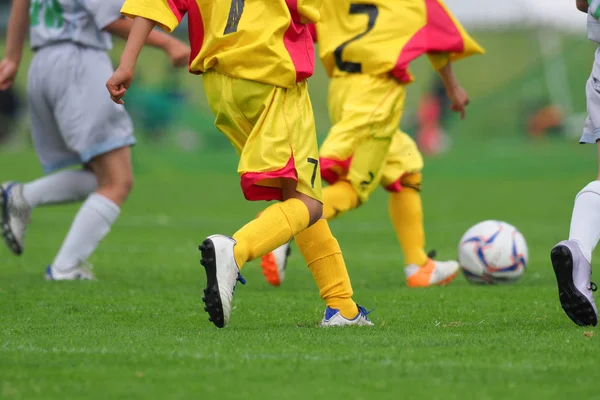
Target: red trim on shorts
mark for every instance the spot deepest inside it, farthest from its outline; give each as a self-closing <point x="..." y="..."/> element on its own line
<point x="254" y="192"/>
<point x="395" y="187"/>
<point x="327" y="168"/>
<point x="175" y="10"/>
<point x="299" y="44"/>
<point x="195" y="30"/>
<point x="439" y="35"/>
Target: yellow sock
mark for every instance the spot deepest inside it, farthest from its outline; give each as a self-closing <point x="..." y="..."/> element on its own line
<point x="274" y="227"/>
<point x="339" y="198"/>
<point x="324" y="258"/>
<point x="406" y="212"/>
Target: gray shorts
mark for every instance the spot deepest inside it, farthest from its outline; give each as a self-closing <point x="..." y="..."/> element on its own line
<point x="73" y="118"/>
<point x="591" y="130"/>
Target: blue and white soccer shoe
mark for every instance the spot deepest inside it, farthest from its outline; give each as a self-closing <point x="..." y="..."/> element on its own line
<point x="222" y="275"/>
<point x="79" y="273"/>
<point x="334" y="317"/>
<point x="15" y="215"/>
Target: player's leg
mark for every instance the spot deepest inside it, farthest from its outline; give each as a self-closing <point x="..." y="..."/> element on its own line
<point x="16" y="199"/>
<point x="19" y="199"/>
<point x="341" y="143"/>
<point x="403" y="179"/>
<point x="259" y="132"/>
<point x="571" y="259"/>
<point x="318" y="246"/>
<point x="271" y="132"/>
<point x="101" y="134"/>
<point x="62" y="187"/>
<point x="97" y="214"/>
<point x="365" y="112"/>
<point x="323" y="256"/>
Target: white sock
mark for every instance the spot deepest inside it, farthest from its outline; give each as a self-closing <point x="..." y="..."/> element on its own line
<point x="585" y="222"/>
<point x="62" y="187"/>
<point x="91" y="225"/>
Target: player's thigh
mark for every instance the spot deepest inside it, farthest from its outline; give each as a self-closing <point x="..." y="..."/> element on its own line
<point x="403" y="158"/>
<point x="90" y="123"/>
<point x="50" y="147"/>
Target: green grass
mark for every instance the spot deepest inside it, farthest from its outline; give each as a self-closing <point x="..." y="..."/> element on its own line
<point x="140" y="331"/>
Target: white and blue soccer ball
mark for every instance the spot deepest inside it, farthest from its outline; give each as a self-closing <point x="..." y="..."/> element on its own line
<point x="493" y="252"/>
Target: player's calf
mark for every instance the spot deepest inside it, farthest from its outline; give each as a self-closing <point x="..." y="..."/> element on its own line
<point x="97" y="214"/>
<point x="274" y="263"/>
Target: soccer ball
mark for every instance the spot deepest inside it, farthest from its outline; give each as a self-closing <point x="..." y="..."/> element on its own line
<point x="492" y="252"/>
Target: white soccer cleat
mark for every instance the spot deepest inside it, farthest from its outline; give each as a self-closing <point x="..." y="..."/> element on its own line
<point x="274" y="264"/>
<point x="79" y="273"/>
<point x="15" y="215"/>
<point x="431" y="274"/>
<point x="575" y="290"/>
<point x="334" y="318"/>
<point x="222" y="275"/>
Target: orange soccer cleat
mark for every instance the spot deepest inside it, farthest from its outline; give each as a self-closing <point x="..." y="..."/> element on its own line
<point x="274" y="263"/>
<point x="432" y="273"/>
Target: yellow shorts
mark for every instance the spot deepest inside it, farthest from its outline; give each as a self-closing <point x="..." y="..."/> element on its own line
<point x="273" y="131"/>
<point x="364" y="145"/>
<point x="403" y="158"/>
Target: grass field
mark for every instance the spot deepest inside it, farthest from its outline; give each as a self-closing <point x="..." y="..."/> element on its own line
<point x="140" y="331"/>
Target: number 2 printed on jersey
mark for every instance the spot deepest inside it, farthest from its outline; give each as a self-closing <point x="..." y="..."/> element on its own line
<point x="372" y="12"/>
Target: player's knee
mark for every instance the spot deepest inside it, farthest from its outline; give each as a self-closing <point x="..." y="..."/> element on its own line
<point x="315" y="210"/>
<point x="413" y="181"/>
<point x="118" y="187"/>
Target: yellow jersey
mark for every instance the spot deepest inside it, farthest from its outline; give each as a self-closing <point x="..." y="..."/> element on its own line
<point x="383" y="36"/>
<point x="259" y="40"/>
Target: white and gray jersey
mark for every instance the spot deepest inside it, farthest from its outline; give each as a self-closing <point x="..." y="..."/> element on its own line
<point x="77" y="21"/>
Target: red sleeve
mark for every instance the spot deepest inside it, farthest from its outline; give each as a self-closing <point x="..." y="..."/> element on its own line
<point x="313" y="32"/>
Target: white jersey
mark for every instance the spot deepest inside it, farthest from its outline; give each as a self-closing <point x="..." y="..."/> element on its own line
<point x="77" y="21"/>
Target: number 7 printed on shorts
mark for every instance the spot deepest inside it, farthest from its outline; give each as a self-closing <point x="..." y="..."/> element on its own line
<point x="314" y="174"/>
<point x="235" y="14"/>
